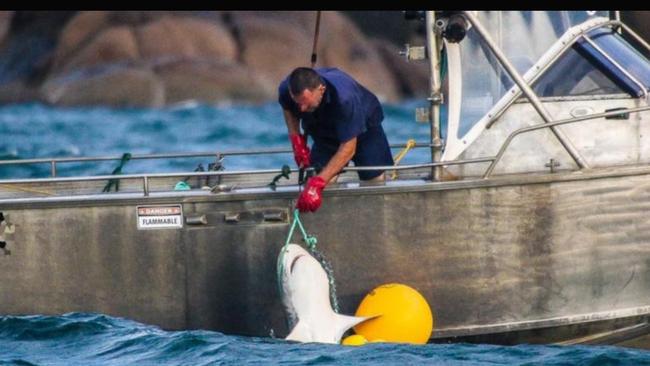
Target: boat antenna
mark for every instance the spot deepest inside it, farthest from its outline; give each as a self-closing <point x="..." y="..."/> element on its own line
<point x="314" y="56"/>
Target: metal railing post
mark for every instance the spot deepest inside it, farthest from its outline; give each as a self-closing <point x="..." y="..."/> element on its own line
<point x="145" y="185"/>
<point x="435" y="96"/>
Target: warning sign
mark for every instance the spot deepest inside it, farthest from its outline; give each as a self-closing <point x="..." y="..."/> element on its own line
<point x="160" y="217"/>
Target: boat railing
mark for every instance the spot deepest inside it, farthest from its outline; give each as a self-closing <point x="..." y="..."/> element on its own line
<point x="508" y="140"/>
<point x="494" y="160"/>
<point x="146" y="177"/>
<point x="54" y="162"/>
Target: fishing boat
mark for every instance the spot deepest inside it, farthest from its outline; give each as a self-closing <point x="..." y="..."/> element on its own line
<point x="528" y="225"/>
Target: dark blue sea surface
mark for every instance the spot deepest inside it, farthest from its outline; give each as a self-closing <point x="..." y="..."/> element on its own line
<point x="95" y="339"/>
<point x="37" y="131"/>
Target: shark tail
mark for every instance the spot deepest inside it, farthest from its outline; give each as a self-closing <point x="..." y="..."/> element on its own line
<point x="303" y="332"/>
<point x="344" y="322"/>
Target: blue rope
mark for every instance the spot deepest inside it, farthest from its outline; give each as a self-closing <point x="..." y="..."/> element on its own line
<point x="310" y="240"/>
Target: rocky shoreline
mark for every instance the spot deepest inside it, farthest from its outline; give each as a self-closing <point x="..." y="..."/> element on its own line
<point x="160" y="58"/>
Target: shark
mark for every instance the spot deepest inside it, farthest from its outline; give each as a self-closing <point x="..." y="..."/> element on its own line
<point x="306" y="297"/>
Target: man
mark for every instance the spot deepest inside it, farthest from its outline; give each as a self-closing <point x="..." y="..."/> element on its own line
<point x="344" y="120"/>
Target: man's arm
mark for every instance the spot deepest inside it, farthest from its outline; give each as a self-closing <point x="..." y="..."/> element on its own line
<point x="311" y="198"/>
<point x="339" y="160"/>
<point x="293" y="124"/>
<point x="298" y="142"/>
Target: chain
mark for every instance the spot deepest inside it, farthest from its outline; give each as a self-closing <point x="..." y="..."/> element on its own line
<point x="327" y="266"/>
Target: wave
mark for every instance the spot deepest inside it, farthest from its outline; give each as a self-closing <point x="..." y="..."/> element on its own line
<point x="38" y="131"/>
<point x="98" y="339"/>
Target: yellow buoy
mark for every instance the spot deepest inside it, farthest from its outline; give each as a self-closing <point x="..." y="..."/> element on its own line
<point x="354" y="340"/>
<point x="404" y="315"/>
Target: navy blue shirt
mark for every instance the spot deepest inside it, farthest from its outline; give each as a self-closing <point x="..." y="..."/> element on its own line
<point x="346" y="111"/>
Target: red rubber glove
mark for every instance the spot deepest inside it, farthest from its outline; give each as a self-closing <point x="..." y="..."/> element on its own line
<point x="300" y="150"/>
<point x="311" y="198"/>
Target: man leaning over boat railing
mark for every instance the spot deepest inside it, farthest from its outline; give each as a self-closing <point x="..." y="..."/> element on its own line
<point x="344" y="120"/>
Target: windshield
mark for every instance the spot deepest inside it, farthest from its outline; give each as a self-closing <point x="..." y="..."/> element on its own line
<point x="523" y="36"/>
<point x="585" y="70"/>
<point x="478" y="82"/>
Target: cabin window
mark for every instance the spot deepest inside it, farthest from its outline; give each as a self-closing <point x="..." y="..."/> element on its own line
<point x="583" y="70"/>
<point x="484" y="82"/>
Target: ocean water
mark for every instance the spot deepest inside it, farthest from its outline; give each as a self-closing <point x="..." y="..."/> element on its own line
<point x="37" y="131"/>
<point x="95" y="339"/>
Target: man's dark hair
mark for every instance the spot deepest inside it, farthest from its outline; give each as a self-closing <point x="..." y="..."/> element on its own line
<point x="303" y="78"/>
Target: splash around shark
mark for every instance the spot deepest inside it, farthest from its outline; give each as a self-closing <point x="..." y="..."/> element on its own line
<point x="305" y="295"/>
